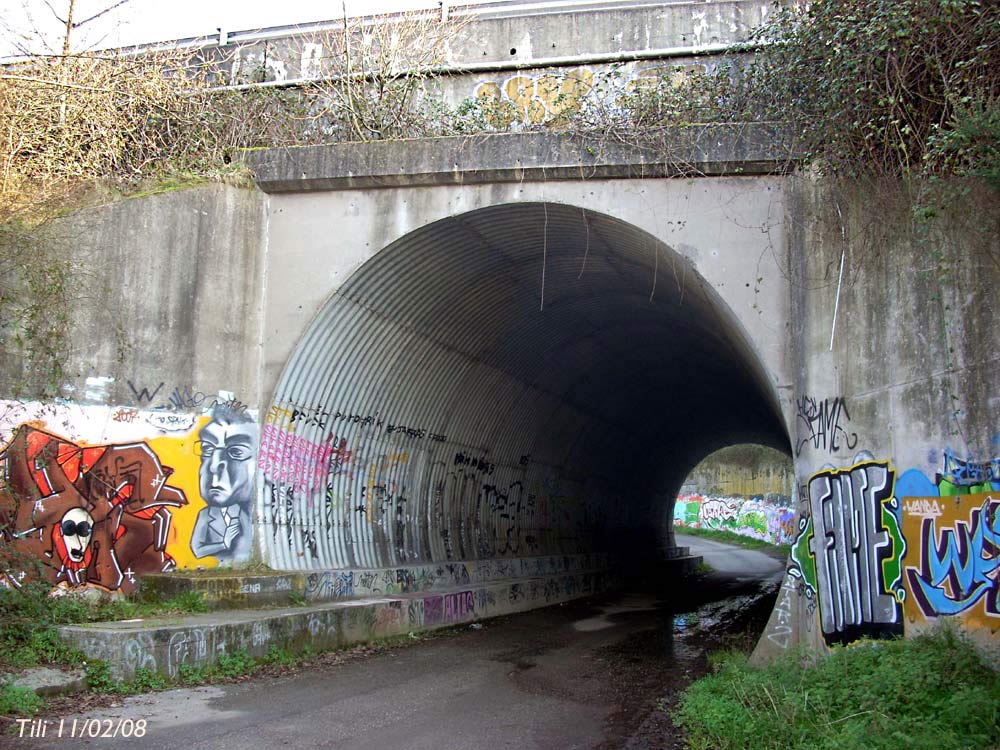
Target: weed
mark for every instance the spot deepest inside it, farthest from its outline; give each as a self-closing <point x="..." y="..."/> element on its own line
<point x="188" y="674"/>
<point x="281" y="657"/>
<point x="933" y="691"/>
<point x="146" y="680"/>
<point x="99" y="678"/>
<point x="236" y="664"/>
<point x="186" y="602"/>
<point x="18" y="701"/>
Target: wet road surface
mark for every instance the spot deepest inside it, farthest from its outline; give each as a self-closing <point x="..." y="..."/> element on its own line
<point x="601" y="674"/>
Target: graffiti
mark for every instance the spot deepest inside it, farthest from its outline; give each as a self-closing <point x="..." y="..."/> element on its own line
<point x="287" y="458"/>
<point x="755" y="517"/>
<point x="182" y="398"/>
<point x="972" y="476"/>
<point x="185" y="398"/>
<point x="479" y="464"/>
<point x="957" y="477"/>
<point x="537" y="99"/>
<point x="415" y="613"/>
<point x="143" y="396"/>
<point x="90" y="515"/>
<point x="459" y="606"/>
<point x="820" y="422"/>
<point x="171" y="422"/>
<point x="230" y="403"/>
<point x="127" y="416"/>
<point x="434" y="610"/>
<point x="226" y="446"/>
<point x="414" y="432"/>
<point x="851" y="547"/>
<point x="187" y="647"/>
<point x="139" y="653"/>
<point x="390" y="618"/>
<point x="953" y="558"/>
<point x="781" y="630"/>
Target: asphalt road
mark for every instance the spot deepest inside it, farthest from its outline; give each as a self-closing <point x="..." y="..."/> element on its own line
<point x="580" y="675"/>
<point x="736" y="563"/>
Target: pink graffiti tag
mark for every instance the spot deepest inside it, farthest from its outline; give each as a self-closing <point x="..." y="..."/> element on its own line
<point x="290" y="459"/>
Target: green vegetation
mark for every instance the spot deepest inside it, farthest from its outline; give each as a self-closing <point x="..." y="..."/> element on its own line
<point x="18" y="701"/>
<point x="933" y="692"/>
<point x="884" y="87"/>
<point x="730" y="537"/>
<point x="30" y="617"/>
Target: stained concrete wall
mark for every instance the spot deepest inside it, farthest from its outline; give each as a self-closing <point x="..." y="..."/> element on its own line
<point x="897" y="417"/>
<point x="164" y="324"/>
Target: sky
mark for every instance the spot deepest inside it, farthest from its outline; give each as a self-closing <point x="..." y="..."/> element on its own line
<point x="33" y="22"/>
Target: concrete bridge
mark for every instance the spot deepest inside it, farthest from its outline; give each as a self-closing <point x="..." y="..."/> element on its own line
<point x="407" y="355"/>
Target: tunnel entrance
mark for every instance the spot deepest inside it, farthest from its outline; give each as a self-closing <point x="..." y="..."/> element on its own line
<point x="745" y="490"/>
<point x="520" y="380"/>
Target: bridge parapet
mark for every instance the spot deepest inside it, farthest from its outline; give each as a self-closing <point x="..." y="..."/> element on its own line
<point x="705" y="150"/>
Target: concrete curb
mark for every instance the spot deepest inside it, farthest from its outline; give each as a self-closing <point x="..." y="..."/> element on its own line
<point x="172" y="645"/>
<point x="47" y="681"/>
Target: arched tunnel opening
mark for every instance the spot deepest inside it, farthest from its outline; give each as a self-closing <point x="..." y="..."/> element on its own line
<point x="520" y="380"/>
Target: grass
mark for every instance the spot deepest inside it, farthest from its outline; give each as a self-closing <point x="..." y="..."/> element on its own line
<point x="30" y="617"/>
<point x="932" y="692"/>
<point x="730" y="537"/>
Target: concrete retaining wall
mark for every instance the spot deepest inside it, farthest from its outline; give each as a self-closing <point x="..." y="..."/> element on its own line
<point x="168" y="647"/>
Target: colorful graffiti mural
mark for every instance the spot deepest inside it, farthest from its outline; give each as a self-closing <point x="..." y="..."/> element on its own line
<point x="93" y="496"/>
<point x="953" y="558"/>
<point x="880" y="554"/>
<point x="849" y="550"/>
<point x="227" y="445"/>
<point x="769" y="519"/>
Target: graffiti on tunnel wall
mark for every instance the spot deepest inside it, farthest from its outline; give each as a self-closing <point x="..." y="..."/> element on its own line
<point x="94" y="496"/>
<point x="349" y="488"/>
<point x="767" y="518"/>
<point x="880" y="554"/>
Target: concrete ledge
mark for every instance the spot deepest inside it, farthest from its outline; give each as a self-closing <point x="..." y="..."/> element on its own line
<point x="168" y="645"/>
<point x="47" y="681"/>
<point x="725" y="149"/>
<point x="236" y="589"/>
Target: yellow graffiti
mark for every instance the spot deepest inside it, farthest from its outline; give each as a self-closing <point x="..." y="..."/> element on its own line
<point x="541" y="99"/>
<point x="278" y="415"/>
<point x="180" y="455"/>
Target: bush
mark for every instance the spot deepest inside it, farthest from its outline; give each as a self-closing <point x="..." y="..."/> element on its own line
<point x="884" y="87"/>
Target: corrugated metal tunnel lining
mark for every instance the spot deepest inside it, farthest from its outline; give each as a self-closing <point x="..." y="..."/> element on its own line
<point x="513" y="381"/>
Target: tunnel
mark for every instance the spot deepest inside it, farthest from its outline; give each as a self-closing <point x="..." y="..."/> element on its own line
<point x="518" y="380"/>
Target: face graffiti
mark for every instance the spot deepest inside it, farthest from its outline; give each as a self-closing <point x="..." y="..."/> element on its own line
<point x="77" y="528"/>
<point x="227" y="448"/>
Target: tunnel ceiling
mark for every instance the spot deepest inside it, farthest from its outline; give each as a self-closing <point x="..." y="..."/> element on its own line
<point x="550" y="343"/>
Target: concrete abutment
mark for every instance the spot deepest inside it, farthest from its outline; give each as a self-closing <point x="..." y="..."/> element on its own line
<point x="468" y="371"/>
